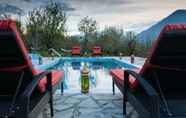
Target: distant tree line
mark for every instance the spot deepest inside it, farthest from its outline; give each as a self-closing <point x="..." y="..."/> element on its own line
<point x="46" y="28"/>
<point x="113" y="41"/>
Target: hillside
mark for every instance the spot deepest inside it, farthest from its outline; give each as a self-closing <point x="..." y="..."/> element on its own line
<point x="152" y="33"/>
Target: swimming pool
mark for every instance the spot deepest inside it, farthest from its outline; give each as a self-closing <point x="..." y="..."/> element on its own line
<point x="100" y="80"/>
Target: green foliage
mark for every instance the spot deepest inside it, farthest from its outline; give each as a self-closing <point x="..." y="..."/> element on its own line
<point x="111" y="40"/>
<point x="88" y="27"/>
<point x="69" y="42"/>
<point x="20" y="29"/>
<point x="131" y="43"/>
<point x="46" y="27"/>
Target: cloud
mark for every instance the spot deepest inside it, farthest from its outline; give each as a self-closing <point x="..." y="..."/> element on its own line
<point x="129" y="14"/>
<point x="28" y="5"/>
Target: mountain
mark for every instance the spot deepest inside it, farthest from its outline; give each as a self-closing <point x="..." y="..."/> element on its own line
<point x="177" y="17"/>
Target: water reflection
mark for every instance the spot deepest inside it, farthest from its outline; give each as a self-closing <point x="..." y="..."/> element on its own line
<point x="100" y="80"/>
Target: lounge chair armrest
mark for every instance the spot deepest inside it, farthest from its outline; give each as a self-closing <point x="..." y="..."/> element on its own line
<point x="25" y="96"/>
<point x="149" y="90"/>
<point x="30" y="88"/>
<point x="145" y="85"/>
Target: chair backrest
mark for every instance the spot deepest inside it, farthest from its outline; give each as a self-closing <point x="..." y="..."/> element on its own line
<point x="14" y="59"/>
<point x="167" y="60"/>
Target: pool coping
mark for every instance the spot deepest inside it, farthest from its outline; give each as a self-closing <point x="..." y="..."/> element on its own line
<point x="92" y="59"/>
<point x="48" y="65"/>
<point x="57" y="60"/>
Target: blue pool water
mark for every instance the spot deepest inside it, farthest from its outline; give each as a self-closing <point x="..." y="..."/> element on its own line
<point x="35" y="58"/>
<point x="100" y="80"/>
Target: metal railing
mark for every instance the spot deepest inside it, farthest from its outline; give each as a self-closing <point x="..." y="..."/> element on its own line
<point x="55" y="52"/>
<point x="66" y="51"/>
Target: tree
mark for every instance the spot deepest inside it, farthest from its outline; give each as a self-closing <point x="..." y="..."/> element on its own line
<point x="111" y="40"/>
<point x="131" y="42"/>
<point x="46" y="26"/>
<point x="20" y="27"/>
<point x="88" y="27"/>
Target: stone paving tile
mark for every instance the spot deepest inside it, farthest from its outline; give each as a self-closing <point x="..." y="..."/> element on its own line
<point x="80" y="96"/>
<point x="63" y="107"/>
<point x="88" y="103"/>
<point x="90" y="106"/>
<point x="72" y="100"/>
<point x="89" y="111"/>
<point x="94" y="115"/>
<point x="64" y="114"/>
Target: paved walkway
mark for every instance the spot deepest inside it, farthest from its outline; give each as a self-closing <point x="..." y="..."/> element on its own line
<point x="89" y="106"/>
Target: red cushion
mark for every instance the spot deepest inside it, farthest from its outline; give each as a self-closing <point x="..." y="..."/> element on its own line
<point x="118" y="74"/>
<point x="97" y="50"/>
<point x="76" y="50"/>
<point x="56" y="77"/>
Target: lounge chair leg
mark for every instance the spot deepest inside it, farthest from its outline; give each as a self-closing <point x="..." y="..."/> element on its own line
<point x="51" y="94"/>
<point x="125" y="83"/>
<point x="124" y="107"/>
<point x="113" y="87"/>
<point x="62" y="88"/>
<point x="51" y="107"/>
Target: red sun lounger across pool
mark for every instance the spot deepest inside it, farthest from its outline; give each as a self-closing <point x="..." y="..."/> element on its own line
<point x="24" y="91"/>
<point x="76" y="51"/>
<point x="96" y="51"/>
<point x="158" y="89"/>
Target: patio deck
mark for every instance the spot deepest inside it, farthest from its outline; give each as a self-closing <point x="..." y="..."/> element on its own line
<point x="89" y="106"/>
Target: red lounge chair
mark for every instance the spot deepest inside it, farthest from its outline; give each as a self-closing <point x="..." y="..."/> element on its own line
<point x="158" y="90"/>
<point x="24" y="91"/>
<point x="96" y="51"/>
<point x="76" y="51"/>
<point x="118" y="78"/>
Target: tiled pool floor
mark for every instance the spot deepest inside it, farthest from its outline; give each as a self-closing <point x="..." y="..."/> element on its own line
<point x="90" y="106"/>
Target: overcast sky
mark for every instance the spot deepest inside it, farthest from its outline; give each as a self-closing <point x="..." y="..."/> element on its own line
<point x="128" y="14"/>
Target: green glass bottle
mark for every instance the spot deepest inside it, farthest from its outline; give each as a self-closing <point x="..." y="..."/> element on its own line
<point x="85" y="80"/>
